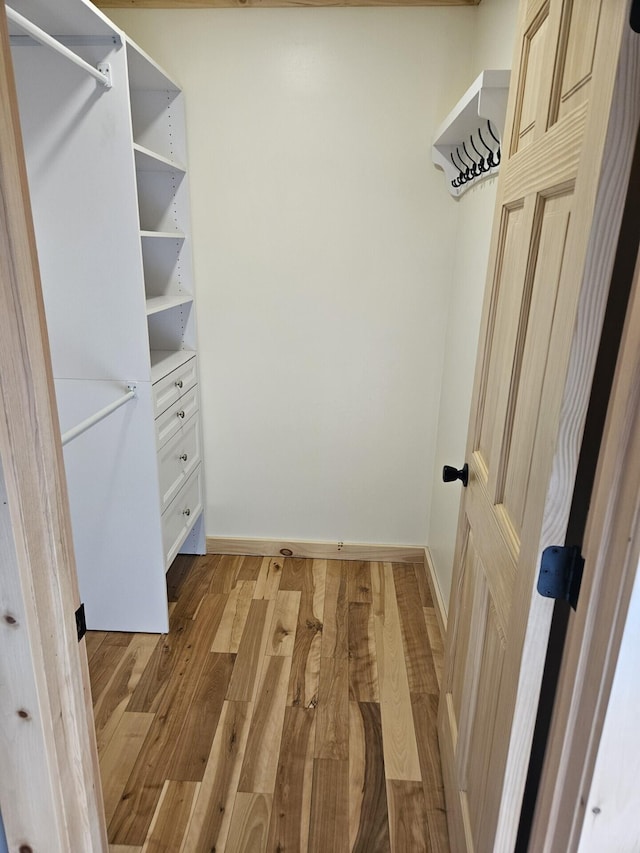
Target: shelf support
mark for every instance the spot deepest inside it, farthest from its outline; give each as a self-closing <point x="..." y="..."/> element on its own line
<point x="83" y="426"/>
<point x="102" y="74"/>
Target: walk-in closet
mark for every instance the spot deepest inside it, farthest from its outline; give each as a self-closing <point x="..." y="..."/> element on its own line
<point x="318" y="329"/>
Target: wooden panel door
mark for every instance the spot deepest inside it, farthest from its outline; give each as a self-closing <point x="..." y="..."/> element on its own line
<point x="566" y="158"/>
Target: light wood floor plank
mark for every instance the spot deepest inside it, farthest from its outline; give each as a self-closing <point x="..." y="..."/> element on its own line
<point x="423" y="584"/>
<point x="193" y="744"/>
<point x="293" y="573"/>
<point x="363" y="665"/>
<point x="124" y="848"/>
<point x="408" y="817"/>
<point x="269" y="576"/>
<point x="149" y="691"/>
<point x="359" y="577"/>
<point x="234" y="618"/>
<point x="93" y="640"/>
<point x="172" y="816"/>
<point x="225" y="574"/>
<point x="104" y="661"/>
<point x="260" y="763"/>
<point x="249" y="823"/>
<point x="420" y="669"/>
<point x="244" y="680"/>
<point x="195" y="585"/>
<point x="131" y="820"/>
<point x="113" y="701"/>
<point x="305" y="666"/>
<point x="211" y="819"/>
<point x="329" y="822"/>
<point x="249" y="569"/>
<point x="425" y="717"/>
<point x="368" y="819"/>
<point x="117" y="760"/>
<point x="290" y="815"/>
<point x="438" y="831"/>
<point x="332" y="716"/>
<point x="334" y="633"/>
<point x="399" y="739"/>
<point x="435" y="642"/>
<point x="282" y="632"/>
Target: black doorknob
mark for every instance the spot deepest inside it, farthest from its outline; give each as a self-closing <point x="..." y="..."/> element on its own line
<point x="451" y="474"/>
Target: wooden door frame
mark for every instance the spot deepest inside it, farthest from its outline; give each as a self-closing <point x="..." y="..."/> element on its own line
<point x="612" y="552"/>
<point x="50" y="791"/>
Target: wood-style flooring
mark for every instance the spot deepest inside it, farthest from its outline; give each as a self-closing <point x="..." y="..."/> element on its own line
<point x="292" y="707"/>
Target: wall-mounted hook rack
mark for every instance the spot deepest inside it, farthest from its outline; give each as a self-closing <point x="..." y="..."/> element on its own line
<point x="471" y="132"/>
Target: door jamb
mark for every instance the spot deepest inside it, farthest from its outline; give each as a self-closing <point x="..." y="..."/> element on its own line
<point x="50" y="790"/>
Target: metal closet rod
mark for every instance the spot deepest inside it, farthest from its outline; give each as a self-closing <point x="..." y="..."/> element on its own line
<point x="83" y="426"/>
<point x="49" y="41"/>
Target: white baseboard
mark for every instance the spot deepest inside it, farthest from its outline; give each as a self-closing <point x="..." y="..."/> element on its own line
<point x="436" y="593"/>
<point x="315" y="550"/>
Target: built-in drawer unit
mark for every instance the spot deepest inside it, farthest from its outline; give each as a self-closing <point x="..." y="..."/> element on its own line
<point x="176" y="416"/>
<point x="177" y="460"/>
<point x="180" y="515"/>
<point x="170" y="388"/>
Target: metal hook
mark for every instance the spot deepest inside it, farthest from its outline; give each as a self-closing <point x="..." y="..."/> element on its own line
<point x="462" y="177"/>
<point x="476" y="168"/>
<point x="468" y="171"/>
<point x="484" y="167"/>
<point x="456" y="181"/>
<point x="492" y="133"/>
<point x="498" y="152"/>
<point x="491" y="160"/>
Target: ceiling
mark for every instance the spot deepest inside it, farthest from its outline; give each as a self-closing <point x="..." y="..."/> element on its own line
<point x="217" y="4"/>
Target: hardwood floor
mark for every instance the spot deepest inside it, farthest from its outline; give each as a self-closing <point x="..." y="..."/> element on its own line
<point x="291" y="707"/>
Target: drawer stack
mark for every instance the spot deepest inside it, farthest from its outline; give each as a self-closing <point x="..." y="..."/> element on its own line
<point x="179" y="446"/>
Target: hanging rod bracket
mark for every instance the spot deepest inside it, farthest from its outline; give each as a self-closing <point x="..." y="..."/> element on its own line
<point x="49" y="41"/>
<point x="105" y="69"/>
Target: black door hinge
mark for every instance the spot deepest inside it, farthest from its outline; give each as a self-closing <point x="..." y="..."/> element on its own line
<point x="81" y="623"/>
<point x="561" y="573"/>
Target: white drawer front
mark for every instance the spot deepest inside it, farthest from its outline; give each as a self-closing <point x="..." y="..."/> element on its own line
<point x="178" y="459"/>
<point x="176" y="416"/>
<point x="172" y="386"/>
<point x="181" y="515"/>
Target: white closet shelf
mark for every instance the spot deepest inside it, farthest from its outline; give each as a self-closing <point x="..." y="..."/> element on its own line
<point x="145" y="73"/>
<point x="149" y="161"/>
<point x="165" y="361"/>
<point x="162" y="303"/>
<point x="162" y="235"/>
<point x="485" y="100"/>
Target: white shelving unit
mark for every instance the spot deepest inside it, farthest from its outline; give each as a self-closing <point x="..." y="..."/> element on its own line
<point x="485" y="100"/>
<point x="111" y="215"/>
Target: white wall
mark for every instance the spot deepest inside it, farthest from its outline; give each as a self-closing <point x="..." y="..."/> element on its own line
<point x="323" y="250"/>
<point x="615" y="824"/>
<point x="493" y="47"/>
